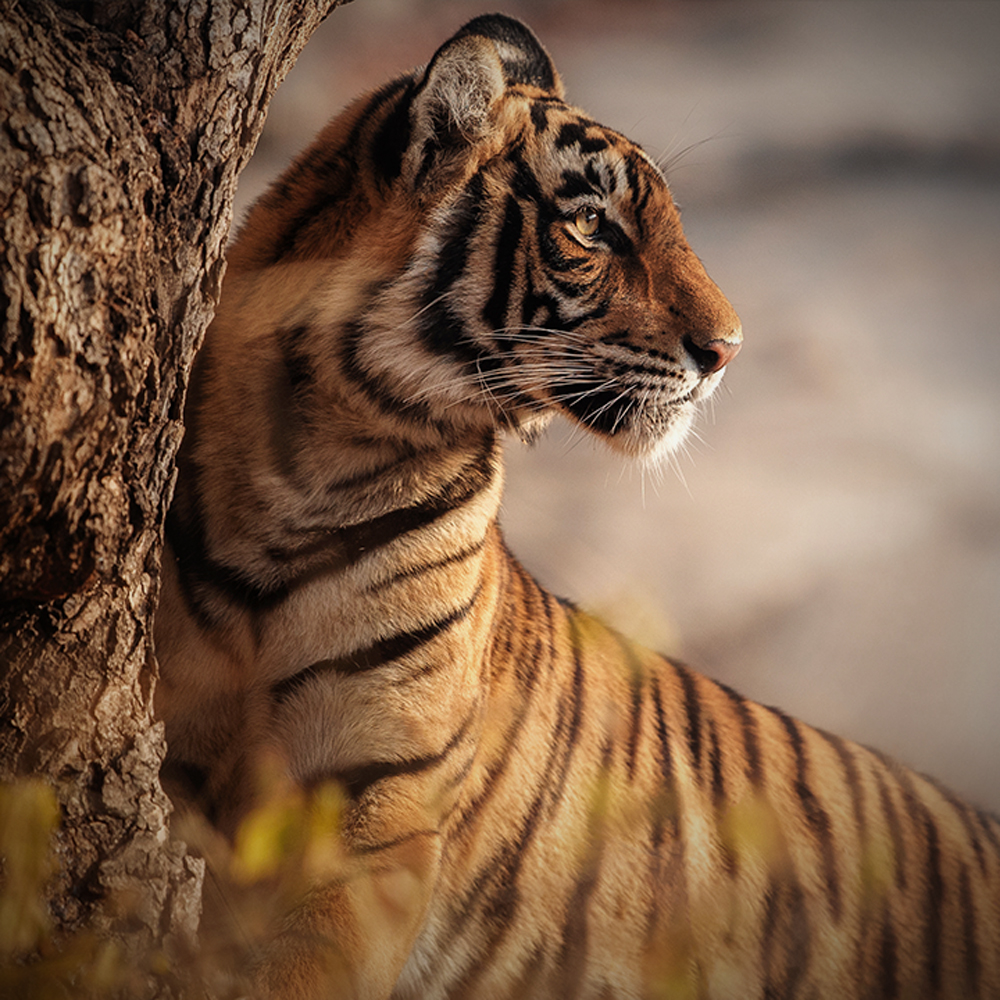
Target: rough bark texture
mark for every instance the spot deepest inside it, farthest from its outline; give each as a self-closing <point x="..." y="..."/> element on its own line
<point x="123" y="128"/>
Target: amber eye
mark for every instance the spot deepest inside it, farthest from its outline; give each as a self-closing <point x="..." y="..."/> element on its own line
<point x="587" y="221"/>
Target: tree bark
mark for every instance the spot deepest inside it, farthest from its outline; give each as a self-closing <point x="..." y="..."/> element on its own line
<point x="123" y="128"/>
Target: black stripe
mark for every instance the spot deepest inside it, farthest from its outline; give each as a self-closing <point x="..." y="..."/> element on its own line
<point x="388" y="845"/>
<point x="537" y="308"/>
<point x="973" y="966"/>
<point x="692" y="712"/>
<point x="441" y="139"/>
<point x="768" y="934"/>
<point x="730" y="861"/>
<point x="786" y="922"/>
<point x="441" y="329"/>
<point x="575" y="133"/>
<point x="495" y="310"/>
<point x="666" y="756"/>
<point x="357" y="780"/>
<point x="530" y="976"/>
<point x="575" y="185"/>
<point x="199" y="575"/>
<point x="665" y="874"/>
<point x="988" y="824"/>
<point x="539" y="116"/>
<point x="571" y="739"/>
<point x="298" y="363"/>
<point x="388" y="144"/>
<point x="715" y="766"/>
<point x="354" y="541"/>
<point x="816" y="816"/>
<point x="573" y="952"/>
<point x="500" y="871"/>
<point x="888" y="958"/>
<point x="573" y="289"/>
<point x="632" y="176"/>
<point x="800" y="942"/>
<point x="642" y="198"/>
<point x="525" y="186"/>
<point x="377" y="654"/>
<point x="527" y="668"/>
<point x="852" y="778"/>
<point x="574" y="949"/>
<point x="414" y="571"/>
<point x="405" y="453"/>
<point x="751" y="744"/>
<point x="636" y="681"/>
<point x="615" y="237"/>
<point x="381" y="389"/>
<point x="935" y="903"/>
<point x="593" y="175"/>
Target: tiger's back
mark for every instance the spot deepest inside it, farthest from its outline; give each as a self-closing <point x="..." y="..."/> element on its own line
<point x="687" y="841"/>
<point x="543" y="808"/>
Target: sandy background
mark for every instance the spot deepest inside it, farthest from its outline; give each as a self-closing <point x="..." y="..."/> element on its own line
<point x="832" y="543"/>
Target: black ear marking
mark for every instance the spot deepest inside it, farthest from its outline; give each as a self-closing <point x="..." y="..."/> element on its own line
<point x="453" y="101"/>
<point x="522" y="56"/>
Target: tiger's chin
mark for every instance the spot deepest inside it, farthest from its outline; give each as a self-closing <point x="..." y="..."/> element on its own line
<point x="654" y="435"/>
<point x="658" y="429"/>
<point x="647" y="431"/>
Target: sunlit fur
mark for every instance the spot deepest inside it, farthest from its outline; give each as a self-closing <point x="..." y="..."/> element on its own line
<point x="537" y="807"/>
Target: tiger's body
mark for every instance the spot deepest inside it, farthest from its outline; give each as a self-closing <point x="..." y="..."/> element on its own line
<point x="547" y="809"/>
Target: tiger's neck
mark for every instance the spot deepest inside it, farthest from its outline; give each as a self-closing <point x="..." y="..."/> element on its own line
<point x="303" y="511"/>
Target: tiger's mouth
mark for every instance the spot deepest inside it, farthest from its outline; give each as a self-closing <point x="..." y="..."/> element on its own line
<point x="612" y="410"/>
<point x="640" y="420"/>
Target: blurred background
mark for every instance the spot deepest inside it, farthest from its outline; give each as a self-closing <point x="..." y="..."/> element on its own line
<point x="831" y="541"/>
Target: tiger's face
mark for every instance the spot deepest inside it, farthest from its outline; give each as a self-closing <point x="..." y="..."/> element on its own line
<point x="623" y="331"/>
<point x="562" y="282"/>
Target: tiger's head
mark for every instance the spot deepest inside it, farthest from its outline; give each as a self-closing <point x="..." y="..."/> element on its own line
<point x="519" y="259"/>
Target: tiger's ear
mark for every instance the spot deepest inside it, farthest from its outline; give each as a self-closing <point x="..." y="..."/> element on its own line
<point x="453" y="103"/>
<point x="521" y="54"/>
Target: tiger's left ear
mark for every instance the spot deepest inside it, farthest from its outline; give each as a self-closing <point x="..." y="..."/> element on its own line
<point x="452" y="107"/>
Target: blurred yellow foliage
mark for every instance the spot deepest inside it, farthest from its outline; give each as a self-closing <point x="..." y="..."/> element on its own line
<point x="32" y="965"/>
<point x="29" y="815"/>
<point x="293" y="829"/>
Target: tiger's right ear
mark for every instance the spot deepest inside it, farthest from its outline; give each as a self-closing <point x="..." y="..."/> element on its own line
<point x="453" y="103"/>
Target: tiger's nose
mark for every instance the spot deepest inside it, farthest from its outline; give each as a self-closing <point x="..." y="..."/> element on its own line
<point x="713" y="355"/>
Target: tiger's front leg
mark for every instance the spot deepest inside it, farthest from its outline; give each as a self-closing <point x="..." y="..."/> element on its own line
<point x="351" y="937"/>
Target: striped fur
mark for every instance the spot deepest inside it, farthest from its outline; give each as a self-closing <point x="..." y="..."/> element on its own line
<point x="546" y="809"/>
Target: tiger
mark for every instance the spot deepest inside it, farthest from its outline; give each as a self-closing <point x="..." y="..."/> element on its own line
<point x="534" y="806"/>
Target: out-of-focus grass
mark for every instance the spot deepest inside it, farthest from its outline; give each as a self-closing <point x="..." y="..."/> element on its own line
<point x="284" y="846"/>
<point x="33" y="964"/>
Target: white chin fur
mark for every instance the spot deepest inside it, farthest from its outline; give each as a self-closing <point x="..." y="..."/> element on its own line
<point x="653" y="448"/>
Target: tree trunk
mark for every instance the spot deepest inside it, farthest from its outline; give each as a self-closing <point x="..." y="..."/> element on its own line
<point x="123" y="128"/>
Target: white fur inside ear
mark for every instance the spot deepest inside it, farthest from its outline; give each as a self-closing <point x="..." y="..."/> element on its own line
<point x="464" y="80"/>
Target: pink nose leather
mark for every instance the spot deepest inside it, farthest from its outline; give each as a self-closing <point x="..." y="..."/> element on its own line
<point x="714" y="355"/>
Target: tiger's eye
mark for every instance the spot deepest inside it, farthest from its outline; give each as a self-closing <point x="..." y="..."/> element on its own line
<point x="587" y="221"/>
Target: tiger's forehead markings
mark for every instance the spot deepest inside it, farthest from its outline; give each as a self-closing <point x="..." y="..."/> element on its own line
<point x="595" y="177"/>
<point x="575" y="133"/>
